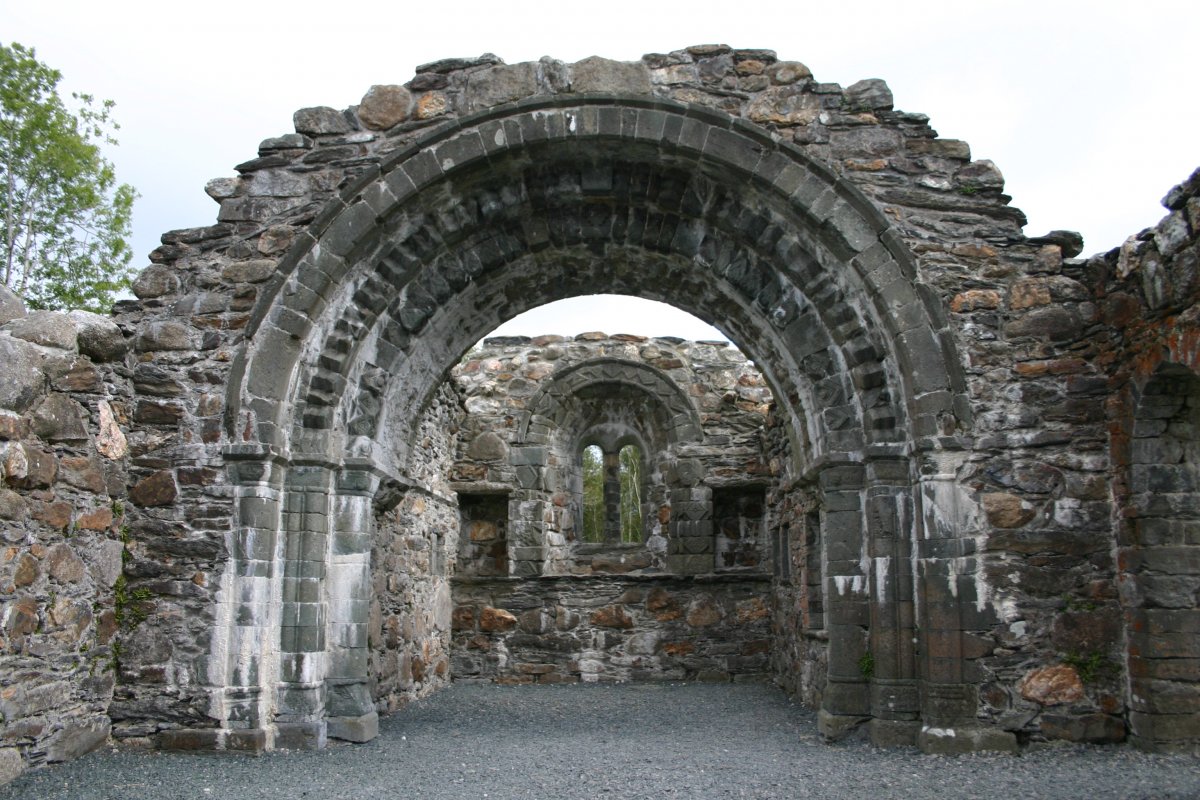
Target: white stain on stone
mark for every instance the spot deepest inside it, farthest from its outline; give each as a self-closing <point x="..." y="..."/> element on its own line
<point x="941" y="733"/>
<point x="881" y="575"/>
<point x="850" y="583"/>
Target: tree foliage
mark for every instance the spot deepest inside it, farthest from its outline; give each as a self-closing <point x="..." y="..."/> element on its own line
<point x="65" y="218"/>
<point x="629" y="476"/>
<point x="631" y="493"/>
<point x="593" y="494"/>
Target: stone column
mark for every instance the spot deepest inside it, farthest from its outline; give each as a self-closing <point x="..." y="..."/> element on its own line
<point x="895" y="698"/>
<point x="350" y="709"/>
<point x="244" y="661"/>
<point x="300" y="720"/>
<point x="527" y="512"/>
<point x="612" y="497"/>
<point x="690" y="548"/>
<point x="947" y="593"/>
<point x="846" y="702"/>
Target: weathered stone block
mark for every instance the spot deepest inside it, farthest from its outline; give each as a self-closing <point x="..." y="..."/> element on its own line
<point x="500" y="84"/>
<point x="1052" y="685"/>
<point x="612" y="617"/>
<point x="60" y="419"/>
<point x="46" y="328"/>
<point x="11" y="763"/>
<point x="494" y="620"/>
<point x="23" y="380"/>
<point x="384" y="106"/>
<point x="158" y="489"/>
<point x="601" y="75"/>
<point x="320" y="121"/>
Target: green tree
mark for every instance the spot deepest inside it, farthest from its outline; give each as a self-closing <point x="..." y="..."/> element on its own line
<point x="65" y="218"/>
<point x="631" y="493"/>
<point x="593" y="494"/>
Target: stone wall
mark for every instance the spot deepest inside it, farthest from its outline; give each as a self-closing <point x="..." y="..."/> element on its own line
<point x="799" y="653"/>
<point x="1147" y="297"/>
<point x="569" y="629"/>
<point x="696" y="408"/>
<point x="620" y="610"/>
<point x="70" y="611"/>
<point x="412" y="563"/>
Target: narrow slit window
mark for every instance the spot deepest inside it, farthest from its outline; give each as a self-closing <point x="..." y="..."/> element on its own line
<point x="631" y="493"/>
<point x="593" y="494"/>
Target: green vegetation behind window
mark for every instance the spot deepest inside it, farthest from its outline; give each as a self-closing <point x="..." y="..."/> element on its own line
<point x="593" y="494"/>
<point x="631" y="493"/>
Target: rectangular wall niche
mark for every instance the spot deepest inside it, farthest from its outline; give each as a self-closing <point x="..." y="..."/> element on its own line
<point x="483" y="534"/>
<point x="738" y="524"/>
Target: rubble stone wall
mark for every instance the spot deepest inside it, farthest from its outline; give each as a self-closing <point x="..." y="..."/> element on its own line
<point x="1146" y="294"/>
<point x="568" y="629"/>
<point x="635" y="616"/>
<point x="412" y="563"/>
<point x="70" y="613"/>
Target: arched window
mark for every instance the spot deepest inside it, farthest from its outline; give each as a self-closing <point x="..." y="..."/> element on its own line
<point x="593" y="494"/>
<point x="630" y="459"/>
<point x="612" y="494"/>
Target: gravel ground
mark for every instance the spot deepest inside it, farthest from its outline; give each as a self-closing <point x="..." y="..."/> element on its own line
<point x="599" y="741"/>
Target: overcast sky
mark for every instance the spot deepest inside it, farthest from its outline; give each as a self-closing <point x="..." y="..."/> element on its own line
<point x="1086" y="107"/>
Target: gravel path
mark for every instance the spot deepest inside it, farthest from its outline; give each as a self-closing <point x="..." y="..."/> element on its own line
<point x="618" y="741"/>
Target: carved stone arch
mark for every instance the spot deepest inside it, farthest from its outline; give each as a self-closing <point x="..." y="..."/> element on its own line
<point x="682" y="418"/>
<point x="525" y="203"/>
<point x="330" y="284"/>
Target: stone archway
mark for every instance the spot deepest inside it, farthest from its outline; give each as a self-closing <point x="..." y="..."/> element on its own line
<point x="397" y="234"/>
<point x="519" y="205"/>
<point x="255" y="465"/>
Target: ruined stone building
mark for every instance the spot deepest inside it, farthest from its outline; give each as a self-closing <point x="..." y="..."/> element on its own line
<point x="944" y="488"/>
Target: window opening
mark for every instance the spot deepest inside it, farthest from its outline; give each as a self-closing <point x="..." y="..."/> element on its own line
<point x="593" y="494"/>
<point x="630" y="474"/>
<point x="612" y="495"/>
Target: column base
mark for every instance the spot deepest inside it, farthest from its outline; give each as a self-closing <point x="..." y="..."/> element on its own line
<point x="300" y="735"/>
<point x="354" y="729"/>
<point x="835" y="727"/>
<point x="967" y="738"/>
<point x="893" y="732"/>
<point x="240" y="740"/>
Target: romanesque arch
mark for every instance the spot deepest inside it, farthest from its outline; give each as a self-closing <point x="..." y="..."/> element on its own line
<point x="521" y="204"/>
<point x="933" y="472"/>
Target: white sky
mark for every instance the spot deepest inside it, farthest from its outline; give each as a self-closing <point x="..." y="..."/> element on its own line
<point x="1086" y="107"/>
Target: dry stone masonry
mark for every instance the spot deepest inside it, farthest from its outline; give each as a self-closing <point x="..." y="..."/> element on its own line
<point x="945" y="488"/>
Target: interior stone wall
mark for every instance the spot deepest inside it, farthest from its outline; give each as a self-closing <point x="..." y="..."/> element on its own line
<point x="569" y="629"/>
<point x="580" y="611"/>
<point x="799" y="653"/>
<point x="1146" y="293"/>
<point x="521" y="436"/>
<point x="412" y="564"/>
